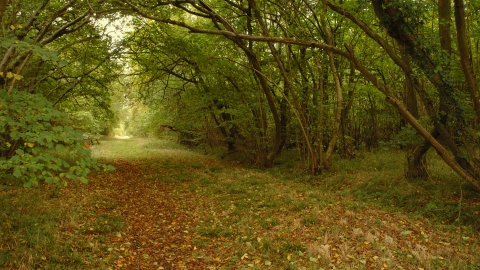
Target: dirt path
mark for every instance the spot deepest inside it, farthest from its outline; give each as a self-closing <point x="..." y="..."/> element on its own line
<point x="160" y="217"/>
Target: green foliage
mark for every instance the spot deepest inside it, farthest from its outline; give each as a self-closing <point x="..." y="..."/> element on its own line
<point x="407" y="136"/>
<point x="36" y="145"/>
<point x="28" y="45"/>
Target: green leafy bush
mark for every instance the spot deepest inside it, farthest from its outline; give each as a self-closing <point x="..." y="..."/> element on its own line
<point x="36" y="144"/>
<point x="407" y="136"/>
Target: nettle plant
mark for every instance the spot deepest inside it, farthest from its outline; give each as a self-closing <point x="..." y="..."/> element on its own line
<point x="36" y="143"/>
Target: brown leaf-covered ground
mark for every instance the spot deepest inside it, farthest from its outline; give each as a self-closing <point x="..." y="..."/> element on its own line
<point x="160" y="218"/>
<point x="165" y="207"/>
<point x="186" y="211"/>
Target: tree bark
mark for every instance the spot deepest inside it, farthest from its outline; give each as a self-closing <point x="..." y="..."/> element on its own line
<point x="3" y="6"/>
<point x="347" y="149"/>
<point x="465" y="59"/>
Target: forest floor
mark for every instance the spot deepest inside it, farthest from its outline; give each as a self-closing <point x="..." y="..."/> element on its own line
<point x="165" y="207"/>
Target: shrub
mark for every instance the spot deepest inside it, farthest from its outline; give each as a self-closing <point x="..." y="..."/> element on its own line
<point x="36" y="143"/>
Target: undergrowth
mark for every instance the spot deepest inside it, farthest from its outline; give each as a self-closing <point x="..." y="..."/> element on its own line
<point x="377" y="178"/>
<point x="363" y="214"/>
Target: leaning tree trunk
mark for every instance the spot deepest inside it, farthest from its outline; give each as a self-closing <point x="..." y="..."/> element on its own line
<point x="416" y="160"/>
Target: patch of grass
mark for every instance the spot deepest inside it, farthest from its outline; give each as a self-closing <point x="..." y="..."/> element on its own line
<point x="180" y="178"/>
<point x="196" y="165"/>
<point x="266" y="245"/>
<point x="310" y="220"/>
<point x="104" y="224"/>
<point x="297" y="206"/>
<point x="215" y="169"/>
<point x="38" y="231"/>
<point x="378" y="177"/>
<point x="291" y="247"/>
<point x="200" y="243"/>
<point x="215" y="231"/>
<point x="242" y="205"/>
<point x="206" y="180"/>
<point x="159" y="144"/>
<point x="269" y="223"/>
<point x="236" y="189"/>
<point x="269" y="203"/>
<point x="139" y="148"/>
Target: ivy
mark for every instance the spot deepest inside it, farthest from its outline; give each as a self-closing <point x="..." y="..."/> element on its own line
<point x="37" y="144"/>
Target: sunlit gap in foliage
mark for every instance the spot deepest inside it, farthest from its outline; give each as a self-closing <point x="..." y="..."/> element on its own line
<point x="117" y="28"/>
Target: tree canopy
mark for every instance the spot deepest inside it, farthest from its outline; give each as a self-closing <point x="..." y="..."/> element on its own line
<point x="259" y="76"/>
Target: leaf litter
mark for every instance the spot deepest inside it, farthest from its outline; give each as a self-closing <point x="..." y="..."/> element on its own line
<point x="188" y="211"/>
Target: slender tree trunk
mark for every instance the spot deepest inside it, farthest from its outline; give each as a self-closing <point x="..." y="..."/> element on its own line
<point x="322" y="81"/>
<point x="287" y="84"/>
<point x="465" y="51"/>
<point x="327" y="161"/>
<point x="284" y="119"/>
<point x="347" y="149"/>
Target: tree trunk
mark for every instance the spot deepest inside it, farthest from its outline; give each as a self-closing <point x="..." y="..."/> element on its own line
<point x="3" y="6"/>
<point x="283" y="119"/>
<point x="347" y="149"/>
<point x="264" y="160"/>
<point x="416" y="160"/>
<point x="465" y="52"/>
<point x="327" y="161"/>
<point x="287" y="84"/>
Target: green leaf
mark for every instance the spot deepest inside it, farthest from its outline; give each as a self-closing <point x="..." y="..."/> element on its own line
<point x="59" y="147"/>
<point x="17" y="172"/>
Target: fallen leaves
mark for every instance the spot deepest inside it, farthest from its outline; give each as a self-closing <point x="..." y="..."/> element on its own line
<point x="237" y="218"/>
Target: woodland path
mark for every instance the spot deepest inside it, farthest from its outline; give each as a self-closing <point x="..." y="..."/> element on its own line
<point x="183" y="210"/>
<point x="159" y="210"/>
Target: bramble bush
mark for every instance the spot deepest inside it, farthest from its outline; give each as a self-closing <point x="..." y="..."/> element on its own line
<point x="37" y="144"/>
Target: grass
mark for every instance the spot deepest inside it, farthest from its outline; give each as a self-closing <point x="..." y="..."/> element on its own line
<point x="377" y="177"/>
<point x="41" y="231"/>
<point x="361" y="215"/>
<point x="326" y="210"/>
<point x="51" y="228"/>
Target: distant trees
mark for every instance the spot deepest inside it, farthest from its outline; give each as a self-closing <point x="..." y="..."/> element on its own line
<point x="315" y="64"/>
